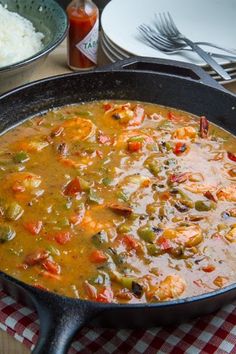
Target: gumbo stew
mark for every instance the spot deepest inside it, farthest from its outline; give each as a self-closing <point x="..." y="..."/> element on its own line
<point x="119" y="202"/>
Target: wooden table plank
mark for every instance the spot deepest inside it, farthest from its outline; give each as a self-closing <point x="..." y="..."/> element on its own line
<point x="9" y="345"/>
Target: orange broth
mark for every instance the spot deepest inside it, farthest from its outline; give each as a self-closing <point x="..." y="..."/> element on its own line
<point x="118" y="202"/>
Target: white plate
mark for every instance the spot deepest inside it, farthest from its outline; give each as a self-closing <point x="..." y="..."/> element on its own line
<point x="111" y="50"/>
<point x="108" y="54"/>
<point x="117" y="51"/>
<point x="200" y="20"/>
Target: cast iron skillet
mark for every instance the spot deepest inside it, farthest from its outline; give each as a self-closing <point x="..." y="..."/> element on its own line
<point x="169" y="83"/>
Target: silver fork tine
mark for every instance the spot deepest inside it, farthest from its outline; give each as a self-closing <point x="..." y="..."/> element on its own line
<point x="149" y="32"/>
<point x="154" y="44"/>
<point x="158" y="24"/>
<point x="148" y="37"/>
<point x="172" y="24"/>
<point x="163" y="41"/>
<point x="165" y="28"/>
<point x="166" y="25"/>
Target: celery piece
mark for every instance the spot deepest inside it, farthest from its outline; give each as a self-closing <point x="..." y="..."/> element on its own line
<point x="146" y="233"/>
<point x="107" y="181"/>
<point x="13" y="211"/>
<point x="204" y="205"/>
<point x="53" y="250"/>
<point x="93" y="197"/>
<point x="6" y="233"/>
<point x="99" y="239"/>
<point x="20" y="157"/>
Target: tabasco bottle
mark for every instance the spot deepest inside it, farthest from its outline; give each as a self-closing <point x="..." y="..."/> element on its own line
<point x="83" y="34"/>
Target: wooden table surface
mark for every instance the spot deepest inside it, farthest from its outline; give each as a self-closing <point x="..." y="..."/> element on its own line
<point x="55" y="64"/>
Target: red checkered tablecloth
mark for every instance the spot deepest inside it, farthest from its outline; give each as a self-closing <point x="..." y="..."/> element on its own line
<point x="210" y="334"/>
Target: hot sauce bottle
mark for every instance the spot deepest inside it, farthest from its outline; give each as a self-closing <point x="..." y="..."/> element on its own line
<point x="83" y="34"/>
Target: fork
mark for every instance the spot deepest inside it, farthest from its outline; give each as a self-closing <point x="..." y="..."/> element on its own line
<point x="163" y="44"/>
<point x="167" y="28"/>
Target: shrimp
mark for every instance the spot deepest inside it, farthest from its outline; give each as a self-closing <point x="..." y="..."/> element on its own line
<point x="81" y="163"/>
<point x="231" y="212"/>
<point x="170" y="288"/>
<point x="126" y="115"/>
<point x="121" y="112"/>
<point x="35" y="145"/>
<point x="189" y="236"/>
<point x="90" y="224"/>
<point x="199" y="188"/>
<point x="22" y="181"/>
<point x="227" y="193"/>
<point x="124" y="137"/>
<point x="78" y="129"/>
<point x="184" y="133"/>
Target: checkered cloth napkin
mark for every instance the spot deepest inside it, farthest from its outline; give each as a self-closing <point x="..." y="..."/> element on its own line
<point x="210" y="334"/>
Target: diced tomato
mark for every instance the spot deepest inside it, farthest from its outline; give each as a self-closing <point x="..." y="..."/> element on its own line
<point x="134" y="146"/>
<point x="173" y="117"/>
<point x="121" y="209"/>
<point x="36" y="257"/>
<point x="138" y="117"/>
<point x="130" y="242"/>
<point x="73" y="187"/>
<point x="107" y="106"/>
<point x="18" y="188"/>
<point x="105" y="295"/>
<point x="98" y="256"/>
<point x="164" y="243"/>
<point x="210" y="196"/>
<point x="179" y="148"/>
<point x="51" y="267"/>
<point x="231" y="156"/>
<point x="209" y="268"/>
<point x="103" y="139"/>
<point x="34" y="227"/>
<point x="145" y="183"/>
<point x="62" y="237"/>
<point x="165" y="196"/>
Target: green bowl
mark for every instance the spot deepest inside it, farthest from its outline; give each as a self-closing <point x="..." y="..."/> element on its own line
<point x="47" y="17"/>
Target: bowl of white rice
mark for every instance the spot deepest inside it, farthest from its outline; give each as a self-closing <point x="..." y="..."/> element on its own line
<point x="29" y="31"/>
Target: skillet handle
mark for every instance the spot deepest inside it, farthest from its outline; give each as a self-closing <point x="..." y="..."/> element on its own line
<point x="60" y="319"/>
<point x="170" y="67"/>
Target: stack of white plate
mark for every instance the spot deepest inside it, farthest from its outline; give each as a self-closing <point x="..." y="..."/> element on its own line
<point x="203" y="20"/>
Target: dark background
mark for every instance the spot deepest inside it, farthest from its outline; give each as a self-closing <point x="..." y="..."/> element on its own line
<point x="100" y="3"/>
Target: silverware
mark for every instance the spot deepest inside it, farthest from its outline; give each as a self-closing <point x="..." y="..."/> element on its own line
<point x="163" y="44"/>
<point x="167" y="28"/>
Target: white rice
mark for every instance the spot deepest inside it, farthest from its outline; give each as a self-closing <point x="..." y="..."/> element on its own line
<point x="18" y="38"/>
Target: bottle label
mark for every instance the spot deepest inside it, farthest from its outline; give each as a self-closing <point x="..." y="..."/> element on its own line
<point x="89" y="44"/>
